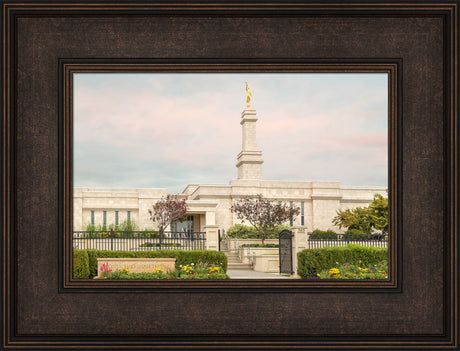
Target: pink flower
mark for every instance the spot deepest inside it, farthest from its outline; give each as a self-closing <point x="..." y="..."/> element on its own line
<point x="359" y="261"/>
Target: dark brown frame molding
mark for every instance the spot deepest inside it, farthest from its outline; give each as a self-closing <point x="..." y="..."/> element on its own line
<point x="45" y="43"/>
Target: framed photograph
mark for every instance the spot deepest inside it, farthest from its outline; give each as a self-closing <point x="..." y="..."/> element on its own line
<point x="65" y="157"/>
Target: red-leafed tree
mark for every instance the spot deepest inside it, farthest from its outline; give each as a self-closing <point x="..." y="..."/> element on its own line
<point x="262" y="214"/>
<point x="167" y="210"/>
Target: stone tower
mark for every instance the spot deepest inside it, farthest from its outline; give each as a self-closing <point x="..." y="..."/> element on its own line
<point x="249" y="160"/>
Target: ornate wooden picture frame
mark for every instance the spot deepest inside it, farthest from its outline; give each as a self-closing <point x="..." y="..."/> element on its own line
<point x="44" y="43"/>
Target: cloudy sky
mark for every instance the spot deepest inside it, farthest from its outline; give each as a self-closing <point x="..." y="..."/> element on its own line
<point x="161" y="130"/>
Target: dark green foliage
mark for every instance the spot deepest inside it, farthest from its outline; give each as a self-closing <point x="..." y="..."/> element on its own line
<point x="355" y="235"/>
<point x="313" y="261"/>
<point x="214" y="258"/>
<point x="261" y="245"/>
<point x="127" y="226"/>
<point x="363" y="220"/>
<point x="354" y="232"/>
<point x="241" y="231"/>
<point x="323" y="234"/>
<point x="80" y="264"/>
<point x="182" y="257"/>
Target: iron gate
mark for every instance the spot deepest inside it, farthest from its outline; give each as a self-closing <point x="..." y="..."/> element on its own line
<point x="285" y="246"/>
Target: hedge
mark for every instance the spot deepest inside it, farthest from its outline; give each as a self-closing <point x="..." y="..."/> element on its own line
<point x="323" y="234"/>
<point x="312" y="261"/>
<point x="241" y="231"/>
<point x="80" y="269"/>
<point x="88" y="258"/>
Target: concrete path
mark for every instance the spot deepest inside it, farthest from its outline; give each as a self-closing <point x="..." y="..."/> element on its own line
<point x="250" y="274"/>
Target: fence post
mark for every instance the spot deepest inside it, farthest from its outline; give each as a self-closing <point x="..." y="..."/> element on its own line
<point x="218" y="239"/>
<point x="211" y="237"/>
<point x="299" y="243"/>
<point x="111" y="239"/>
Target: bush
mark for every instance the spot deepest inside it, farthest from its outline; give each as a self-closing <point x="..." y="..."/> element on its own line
<point x="90" y="227"/>
<point x="313" y="261"/>
<point x="182" y="257"/>
<point x="80" y="269"/>
<point x="213" y="258"/>
<point x="323" y="234"/>
<point x="128" y="226"/>
<point x="241" y="231"/>
<point x="354" y="231"/>
<point x="261" y="245"/>
<point x="356" y="235"/>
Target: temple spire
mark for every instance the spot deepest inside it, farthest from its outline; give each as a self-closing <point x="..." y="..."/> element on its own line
<point x="249" y="160"/>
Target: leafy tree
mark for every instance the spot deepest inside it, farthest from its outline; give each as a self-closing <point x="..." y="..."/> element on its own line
<point x="378" y="212"/>
<point x="262" y="214"/>
<point x="167" y="210"/>
<point x="365" y="219"/>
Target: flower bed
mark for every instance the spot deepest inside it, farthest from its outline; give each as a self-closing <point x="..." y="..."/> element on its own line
<point x="84" y="263"/>
<point x="354" y="271"/>
<point x="190" y="272"/>
<point x="316" y="261"/>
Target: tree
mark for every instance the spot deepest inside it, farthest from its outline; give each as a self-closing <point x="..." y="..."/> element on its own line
<point x="167" y="210"/>
<point x="262" y="214"/>
<point x="378" y="212"/>
<point x="365" y="219"/>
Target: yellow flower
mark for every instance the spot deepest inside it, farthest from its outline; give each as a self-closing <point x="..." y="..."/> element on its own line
<point x="125" y="269"/>
<point x="334" y="271"/>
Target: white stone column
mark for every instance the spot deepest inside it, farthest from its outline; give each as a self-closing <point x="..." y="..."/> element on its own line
<point x="249" y="160"/>
<point x="212" y="237"/>
<point x="299" y="243"/>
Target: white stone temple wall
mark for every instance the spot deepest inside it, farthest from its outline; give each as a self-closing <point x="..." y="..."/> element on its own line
<point x="210" y="204"/>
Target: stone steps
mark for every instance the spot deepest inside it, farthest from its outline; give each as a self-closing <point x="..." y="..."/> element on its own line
<point x="234" y="262"/>
<point x="239" y="266"/>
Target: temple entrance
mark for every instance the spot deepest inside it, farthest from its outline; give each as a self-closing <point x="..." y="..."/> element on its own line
<point x="183" y="225"/>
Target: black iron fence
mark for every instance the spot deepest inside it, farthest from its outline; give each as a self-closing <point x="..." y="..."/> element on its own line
<point x="330" y="239"/>
<point x="115" y="240"/>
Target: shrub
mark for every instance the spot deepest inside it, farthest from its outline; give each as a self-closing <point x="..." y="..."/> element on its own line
<point x="80" y="269"/>
<point x="356" y="235"/>
<point x="128" y="226"/>
<point x="354" y="231"/>
<point x="323" y="234"/>
<point x="241" y="231"/>
<point x="261" y="245"/>
<point x="90" y="227"/>
<point x="313" y="261"/>
<point x="183" y="257"/>
<point x="214" y="258"/>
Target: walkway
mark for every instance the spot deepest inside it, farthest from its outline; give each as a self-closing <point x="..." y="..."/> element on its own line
<point x="250" y="274"/>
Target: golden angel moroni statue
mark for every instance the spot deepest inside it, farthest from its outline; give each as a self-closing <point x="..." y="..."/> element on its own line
<point x="248" y="95"/>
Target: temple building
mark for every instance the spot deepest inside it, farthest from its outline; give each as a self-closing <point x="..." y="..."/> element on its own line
<point x="209" y="205"/>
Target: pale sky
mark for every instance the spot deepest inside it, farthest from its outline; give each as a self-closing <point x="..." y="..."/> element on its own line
<point x="162" y="130"/>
